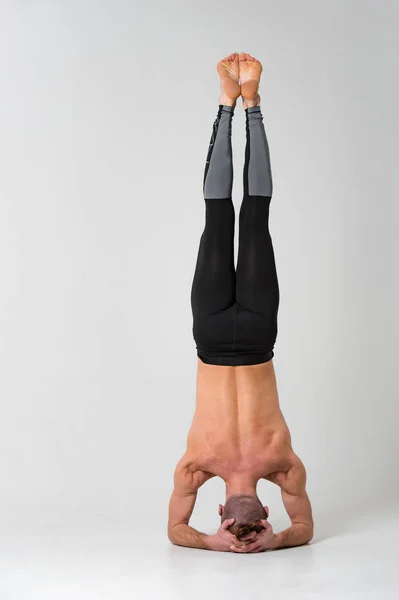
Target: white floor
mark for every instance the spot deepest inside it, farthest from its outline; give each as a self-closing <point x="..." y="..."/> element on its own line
<point x="362" y="564"/>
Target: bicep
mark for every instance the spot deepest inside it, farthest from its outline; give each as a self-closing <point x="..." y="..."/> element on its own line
<point x="181" y="507"/>
<point x="293" y="491"/>
<point x="294" y="496"/>
<point x="298" y="507"/>
<point x="186" y="485"/>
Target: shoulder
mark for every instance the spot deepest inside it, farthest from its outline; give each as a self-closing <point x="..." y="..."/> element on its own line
<point x="291" y="479"/>
<point x="188" y="476"/>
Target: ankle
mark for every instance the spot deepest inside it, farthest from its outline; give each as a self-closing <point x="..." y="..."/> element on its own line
<point x="226" y="101"/>
<point x="250" y="102"/>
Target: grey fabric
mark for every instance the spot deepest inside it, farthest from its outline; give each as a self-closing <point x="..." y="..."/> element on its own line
<point x="219" y="178"/>
<point x="259" y="169"/>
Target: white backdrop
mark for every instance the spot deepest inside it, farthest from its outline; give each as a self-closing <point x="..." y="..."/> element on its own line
<point x="106" y="109"/>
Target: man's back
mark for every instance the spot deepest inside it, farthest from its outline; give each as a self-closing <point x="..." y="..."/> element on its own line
<point x="238" y="427"/>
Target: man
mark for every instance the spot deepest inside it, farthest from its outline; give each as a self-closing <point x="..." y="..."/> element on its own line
<point x="238" y="431"/>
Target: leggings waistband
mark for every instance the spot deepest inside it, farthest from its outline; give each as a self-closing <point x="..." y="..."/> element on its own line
<point x="236" y="360"/>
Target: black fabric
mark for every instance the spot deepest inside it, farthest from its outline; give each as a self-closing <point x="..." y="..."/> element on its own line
<point x="235" y="311"/>
<point x="212" y="142"/>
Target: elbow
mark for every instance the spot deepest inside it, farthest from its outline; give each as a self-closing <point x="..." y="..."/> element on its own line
<point x="304" y="532"/>
<point x="308" y="536"/>
<point x="172" y="535"/>
<point x="173" y="541"/>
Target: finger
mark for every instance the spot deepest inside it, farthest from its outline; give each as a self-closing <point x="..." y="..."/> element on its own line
<point x="226" y="524"/>
<point x="256" y="545"/>
<point x="248" y="547"/>
<point x="238" y="549"/>
<point x="257" y="549"/>
<point x="241" y="544"/>
<point x="249" y="536"/>
<point x="265" y="524"/>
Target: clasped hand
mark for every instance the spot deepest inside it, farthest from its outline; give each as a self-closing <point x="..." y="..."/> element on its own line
<point x="225" y="541"/>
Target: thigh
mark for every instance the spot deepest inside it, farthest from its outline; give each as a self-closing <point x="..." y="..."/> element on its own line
<point x="213" y="287"/>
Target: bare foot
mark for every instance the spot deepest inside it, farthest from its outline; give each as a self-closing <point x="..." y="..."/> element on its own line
<point x="250" y="72"/>
<point x="229" y="74"/>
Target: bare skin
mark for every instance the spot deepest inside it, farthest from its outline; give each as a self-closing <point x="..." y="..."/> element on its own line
<point x="229" y="72"/>
<point x="250" y="72"/>
<point x="238" y="431"/>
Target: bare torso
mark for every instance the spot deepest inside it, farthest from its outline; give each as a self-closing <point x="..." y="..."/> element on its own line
<point x="238" y="431"/>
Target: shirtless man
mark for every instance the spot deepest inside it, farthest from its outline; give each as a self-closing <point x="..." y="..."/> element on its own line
<point x="238" y="432"/>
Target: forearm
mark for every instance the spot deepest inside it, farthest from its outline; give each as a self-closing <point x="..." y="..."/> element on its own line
<point x="184" y="535"/>
<point x="296" y="535"/>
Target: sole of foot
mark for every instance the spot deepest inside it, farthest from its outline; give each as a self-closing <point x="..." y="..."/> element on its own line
<point x="229" y="73"/>
<point x="250" y="72"/>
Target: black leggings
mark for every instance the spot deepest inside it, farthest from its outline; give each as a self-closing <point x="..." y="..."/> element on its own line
<point x="235" y="311"/>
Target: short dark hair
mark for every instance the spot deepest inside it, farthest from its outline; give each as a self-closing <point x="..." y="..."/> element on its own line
<point x="247" y="511"/>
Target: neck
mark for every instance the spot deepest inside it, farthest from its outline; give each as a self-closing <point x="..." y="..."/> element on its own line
<point x="241" y="484"/>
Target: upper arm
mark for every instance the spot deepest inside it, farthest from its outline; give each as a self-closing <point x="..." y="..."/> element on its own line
<point x="181" y="507"/>
<point x="293" y="493"/>
<point x="182" y="501"/>
<point x="298" y="507"/>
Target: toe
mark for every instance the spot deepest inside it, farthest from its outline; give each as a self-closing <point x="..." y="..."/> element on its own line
<point x="242" y="56"/>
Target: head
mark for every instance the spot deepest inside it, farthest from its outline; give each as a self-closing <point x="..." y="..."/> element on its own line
<point x="247" y="511"/>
